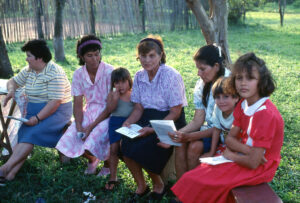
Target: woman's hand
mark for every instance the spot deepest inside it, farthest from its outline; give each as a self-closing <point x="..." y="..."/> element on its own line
<point x="163" y="145"/>
<point x="178" y="136"/>
<point x="79" y="128"/>
<point x="145" y="132"/>
<point x="10" y="94"/>
<point x="87" y="131"/>
<point x="32" y="121"/>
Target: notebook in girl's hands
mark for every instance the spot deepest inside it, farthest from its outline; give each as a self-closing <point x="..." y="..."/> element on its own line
<point x="161" y="128"/>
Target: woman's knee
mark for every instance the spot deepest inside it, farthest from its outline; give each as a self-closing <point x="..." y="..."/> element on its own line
<point x="195" y="148"/>
<point x="181" y="150"/>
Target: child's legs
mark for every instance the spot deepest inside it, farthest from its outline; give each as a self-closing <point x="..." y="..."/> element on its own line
<point x="195" y="149"/>
<point x="114" y="160"/>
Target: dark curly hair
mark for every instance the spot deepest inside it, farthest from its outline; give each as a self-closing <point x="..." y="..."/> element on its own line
<point x="266" y="83"/>
<point x="38" y="48"/>
<point x="89" y="47"/>
<point x="210" y="55"/>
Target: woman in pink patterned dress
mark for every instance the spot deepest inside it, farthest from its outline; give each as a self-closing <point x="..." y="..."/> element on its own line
<point x="88" y="134"/>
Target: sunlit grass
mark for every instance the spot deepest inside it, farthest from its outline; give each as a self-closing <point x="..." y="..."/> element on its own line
<point x="43" y="175"/>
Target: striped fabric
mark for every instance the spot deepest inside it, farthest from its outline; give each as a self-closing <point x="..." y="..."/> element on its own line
<point x="51" y="83"/>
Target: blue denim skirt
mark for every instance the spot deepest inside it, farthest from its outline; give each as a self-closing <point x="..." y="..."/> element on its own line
<point x="47" y="132"/>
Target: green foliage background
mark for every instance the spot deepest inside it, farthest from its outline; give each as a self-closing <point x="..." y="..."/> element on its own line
<point x="44" y="176"/>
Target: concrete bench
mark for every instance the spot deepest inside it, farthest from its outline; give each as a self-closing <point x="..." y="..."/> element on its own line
<point x="261" y="193"/>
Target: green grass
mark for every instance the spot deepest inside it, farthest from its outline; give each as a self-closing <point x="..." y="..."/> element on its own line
<point x="44" y="176"/>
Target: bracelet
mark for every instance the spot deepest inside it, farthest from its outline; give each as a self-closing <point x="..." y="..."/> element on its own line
<point x="38" y="118"/>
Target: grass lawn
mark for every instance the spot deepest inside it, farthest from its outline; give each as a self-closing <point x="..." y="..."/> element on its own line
<point x="43" y="176"/>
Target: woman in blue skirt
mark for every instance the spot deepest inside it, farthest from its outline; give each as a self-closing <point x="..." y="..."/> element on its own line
<point x="49" y="106"/>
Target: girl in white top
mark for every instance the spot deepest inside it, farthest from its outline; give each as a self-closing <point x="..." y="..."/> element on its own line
<point x="222" y="117"/>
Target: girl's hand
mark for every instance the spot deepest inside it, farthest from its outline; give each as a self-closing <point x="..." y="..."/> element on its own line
<point x="115" y="94"/>
<point x="178" y="136"/>
<point x="228" y="153"/>
<point x="145" y="132"/>
<point x="207" y="154"/>
<point x="126" y="124"/>
<point x="263" y="160"/>
<point x="32" y="121"/>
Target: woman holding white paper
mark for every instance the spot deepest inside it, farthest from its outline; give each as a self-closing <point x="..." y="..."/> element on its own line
<point x="158" y="93"/>
<point x="196" y="136"/>
<point x="49" y="105"/>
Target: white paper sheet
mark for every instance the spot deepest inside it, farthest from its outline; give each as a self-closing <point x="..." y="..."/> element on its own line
<point x="215" y="160"/>
<point x="161" y="128"/>
<point x="19" y="119"/>
<point x="131" y="132"/>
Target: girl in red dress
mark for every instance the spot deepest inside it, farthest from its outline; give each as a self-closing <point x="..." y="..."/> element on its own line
<point x="253" y="144"/>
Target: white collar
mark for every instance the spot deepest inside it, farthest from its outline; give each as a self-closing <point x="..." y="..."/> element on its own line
<point x="250" y="110"/>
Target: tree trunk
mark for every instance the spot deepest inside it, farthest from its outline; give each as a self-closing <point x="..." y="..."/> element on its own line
<point x="58" y="40"/>
<point x="186" y="17"/>
<point x="213" y="27"/>
<point x="143" y="13"/>
<point x="38" y="12"/>
<point x="5" y="66"/>
<point x="281" y="5"/>
<point x="173" y="14"/>
<point x="92" y="16"/>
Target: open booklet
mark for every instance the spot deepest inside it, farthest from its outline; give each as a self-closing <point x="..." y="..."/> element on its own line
<point x="19" y="119"/>
<point x="215" y="160"/>
<point x="132" y="131"/>
<point x="161" y="128"/>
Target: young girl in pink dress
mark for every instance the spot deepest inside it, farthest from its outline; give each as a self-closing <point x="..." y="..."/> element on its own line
<point x="253" y="144"/>
<point x="91" y="82"/>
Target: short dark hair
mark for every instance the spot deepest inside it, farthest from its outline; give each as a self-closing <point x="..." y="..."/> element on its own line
<point x="38" y="48"/>
<point x="248" y="61"/>
<point x="146" y="45"/>
<point x="120" y="74"/>
<point x="210" y="55"/>
<point x="89" y="47"/>
<point x="222" y="86"/>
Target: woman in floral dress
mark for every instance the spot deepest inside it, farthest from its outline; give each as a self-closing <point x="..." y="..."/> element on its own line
<point x="88" y="134"/>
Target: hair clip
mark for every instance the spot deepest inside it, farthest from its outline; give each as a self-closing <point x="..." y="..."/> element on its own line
<point x="220" y="52"/>
<point x="219" y="49"/>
